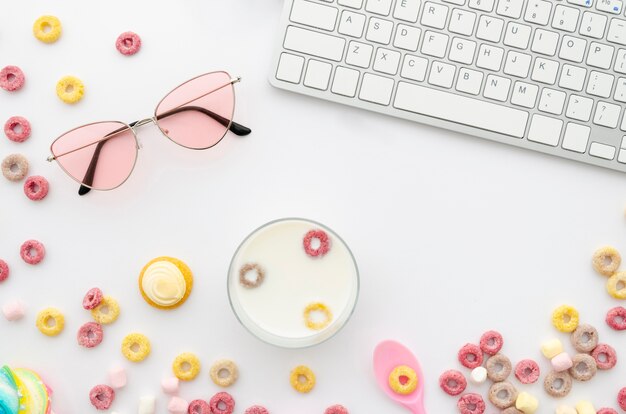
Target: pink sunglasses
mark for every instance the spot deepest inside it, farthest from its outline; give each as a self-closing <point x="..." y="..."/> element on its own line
<point x="195" y="115"/>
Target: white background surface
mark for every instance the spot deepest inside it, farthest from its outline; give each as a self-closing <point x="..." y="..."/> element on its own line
<point x="453" y="235"/>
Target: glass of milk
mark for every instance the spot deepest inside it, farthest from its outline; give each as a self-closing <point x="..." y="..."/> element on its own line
<point x="272" y="281"/>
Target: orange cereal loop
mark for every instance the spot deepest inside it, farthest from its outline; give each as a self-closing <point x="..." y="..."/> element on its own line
<point x="70" y="89"/>
<point x="47" y="29"/>
<point x="606" y="260"/>
<point x="403" y="380"/>
<point x="319" y="308"/>
<point x="302" y="379"/>
<point x="186" y="366"/>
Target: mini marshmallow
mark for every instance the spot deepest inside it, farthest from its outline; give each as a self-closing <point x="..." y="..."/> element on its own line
<point x="551" y="348"/>
<point x="177" y="406"/>
<point x="147" y="405"/>
<point x="170" y="385"/>
<point x="585" y="407"/>
<point x="562" y="362"/>
<point x="526" y="403"/>
<point x="117" y="377"/>
<point x="13" y="310"/>
<point x="478" y="375"/>
<point x="565" y="409"/>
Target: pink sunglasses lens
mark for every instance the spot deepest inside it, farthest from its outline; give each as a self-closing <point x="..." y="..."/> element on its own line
<point x="100" y="155"/>
<point x="198" y="113"/>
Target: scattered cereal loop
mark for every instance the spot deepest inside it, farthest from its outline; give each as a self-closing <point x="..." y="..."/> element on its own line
<point x="302" y="379"/>
<point x="102" y="396"/>
<point x="471" y="404"/>
<point x="12" y="78"/>
<point x="527" y="371"/>
<point x="333" y="409"/>
<point x="584" y="367"/>
<point x="70" y="89"/>
<point x="136" y="347"/>
<point x="17" y="129"/>
<point x="107" y="312"/>
<point x="605" y="356"/>
<point x="224" y="400"/>
<point x="606" y="260"/>
<point x="186" y="366"/>
<point x="491" y="342"/>
<point x="502" y="394"/>
<point x="50" y="322"/>
<point x="36" y="187"/>
<point x="4" y="270"/>
<point x="92" y="298"/>
<point x="470" y="356"/>
<point x="558" y="384"/>
<point x="128" y="43"/>
<point x="47" y="29"/>
<point x="453" y="382"/>
<point x="32" y="252"/>
<point x="584" y="338"/>
<point x="90" y="335"/>
<point x="498" y="368"/>
<point x="14" y="167"/>
<point x="616" y="285"/>
<point x="199" y="407"/>
<point x="565" y="318"/>
<point x="616" y="318"/>
<point x="226" y="367"/>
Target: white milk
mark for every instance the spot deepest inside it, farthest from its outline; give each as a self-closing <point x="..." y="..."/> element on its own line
<point x="274" y="311"/>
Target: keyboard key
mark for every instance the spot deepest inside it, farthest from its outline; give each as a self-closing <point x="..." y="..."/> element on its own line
<point x="490" y="57"/>
<point x="462" y="50"/>
<point x="376" y="89"/>
<point x="345" y="81"/>
<point x="524" y="94"/>
<point x="351" y="24"/>
<point x="593" y="25"/>
<point x="460" y="109"/>
<point x="617" y="32"/>
<point x="434" y="44"/>
<point x="607" y="114"/>
<point x="602" y="151"/>
<point x="379" y="31"/>
<point x="407" y="10"/>
<point x="600" y="84"/>
<point x="584" y="3"/>
<point x="545" y="130"/>
<point x="552" y="101"/>
<point x="414" y="67"/>
<point x="434" y="15"/>
<point x="545" y="42"/>
<point x="469" y="81"/>
<point x="517" y="64"/>
<point x="565" y="18"/>
<point x="462" y="22"/>
<point x="490" y="28"/>
<point x="579" y="108"/>
<point x="620" y="90"/>
<point x="600" y="56"/>
<point x="441" y="74"/>
<point x="290" y="68"/>
<point x="538" y="12"/>
<point x="356" y="4"/>
<point x="484" y="5"/>
<point x="620" y="61"/>
<point x="510" y="8"/>
<point x="317" y="74"/>
<point x="517" y="35"/>
<point x="313" y="14"/>
<point x="576" y="137"/>
<point x="382" y="7"/>
<point x="457" y="2"/>
<point x="497" y="88"/>
<point x="610" y="6"/>
<point x="387" y="61"/>
<point x="359" y="54"/>
<point x="572" y="77"/>
<point x="407" y="37"/>
<point x="545" y="71"/>
<point x="573" y="49"/>
<point x="314" y="43"/>
<point x="622" y="156"/>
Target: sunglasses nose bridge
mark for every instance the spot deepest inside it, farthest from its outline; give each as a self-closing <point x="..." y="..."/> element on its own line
<point x="135" y="126"/>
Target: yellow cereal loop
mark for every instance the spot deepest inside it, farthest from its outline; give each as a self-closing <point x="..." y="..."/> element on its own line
<point x="302" y="379"/>
<point x="551" y="348"/>
<point x="565" y="318"/>
<point x="47" y="29"/>
<point x="136" y="347"/>
<point x="317" y="307"/>
<point x="70" y="89"/>
<point x="403" y="380"/>
<point x="606" y="260"/>
<point x="616" y="285"/>
<point x="585" y="407"/>
<point x="107" y="311"/>
<point x="50" y="322"/>
<point x="526" y="403"/>
<point x="186" y="366"/>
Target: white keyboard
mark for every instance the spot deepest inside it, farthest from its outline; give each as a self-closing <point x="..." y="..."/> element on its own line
<point x="544" y="75"/>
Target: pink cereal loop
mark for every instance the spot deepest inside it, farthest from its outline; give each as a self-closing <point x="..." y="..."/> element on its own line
<point x="222" y="399"/>
<point x="101" y="397"/>
<point x="36" y="187"/>
<point x="90" y="335"/>
<point x="4" y="270"/>
<point x="527" y="371"/>
<point x="257" y="409"/>
<point x="606" y="411"/>
<point x="336" y="409"/>
<point x="128" y="43"/>
<point x="491" y="342"/>
<point x="17" y="129"/>
<point x="452" y="382"/>
<point x="471" y="404"/>
<point x="621" y="398"/>
<point x="92" y="299"/>
<point x="11" y="78"/>
<point x="616" y="318"/>
<point x="324" y="246"/>
<point x="470" y="356"/>
<point x="199" y="407"/>
<point x="32" y="252"/>
<point x="605" y="356"/>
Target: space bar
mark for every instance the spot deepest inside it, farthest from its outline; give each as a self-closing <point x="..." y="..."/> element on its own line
<point x="461" y="109"/>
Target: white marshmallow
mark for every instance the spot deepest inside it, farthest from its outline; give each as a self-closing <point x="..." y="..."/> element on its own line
<point x="147" y="404"/>
<point x="478" y="375"/>
<point x="13" y="310"/>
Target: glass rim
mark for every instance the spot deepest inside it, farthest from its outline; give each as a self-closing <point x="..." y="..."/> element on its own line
<point x="136" y="154"/>
<point x="345" y="317"/>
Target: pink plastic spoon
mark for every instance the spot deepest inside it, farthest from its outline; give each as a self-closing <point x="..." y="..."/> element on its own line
<point x="387" y="356"/>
